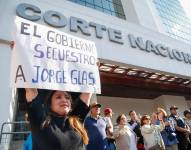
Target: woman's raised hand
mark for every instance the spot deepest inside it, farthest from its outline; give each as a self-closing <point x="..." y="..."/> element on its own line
<point x="85" y="97"/>
<point x="31" y="94"/>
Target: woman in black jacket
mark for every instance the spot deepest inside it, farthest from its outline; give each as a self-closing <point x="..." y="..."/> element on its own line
<point x="56" y="122"/>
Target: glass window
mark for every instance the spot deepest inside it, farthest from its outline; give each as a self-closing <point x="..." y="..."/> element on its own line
<point x="112" y="7"/>
<point x="106" y="4"/>
<point x="175" y="20"/>
<point x="98" y="3"/>
<point x="90" y="1"/>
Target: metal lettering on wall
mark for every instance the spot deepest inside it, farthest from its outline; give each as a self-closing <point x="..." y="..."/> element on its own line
<point x="78" y="24"/>
<point x="159" y="49"/>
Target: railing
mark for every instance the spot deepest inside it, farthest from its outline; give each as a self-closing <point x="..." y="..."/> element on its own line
<point x="13" y="134"/>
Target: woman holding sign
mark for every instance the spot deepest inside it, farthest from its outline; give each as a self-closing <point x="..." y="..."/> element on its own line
<point x="56" y="121"/>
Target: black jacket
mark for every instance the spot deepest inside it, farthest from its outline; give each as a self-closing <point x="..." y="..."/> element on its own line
<point x="137" y="130"/>
<point x="59" y="135"/>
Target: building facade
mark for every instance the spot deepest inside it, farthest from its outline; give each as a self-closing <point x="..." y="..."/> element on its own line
<point x="142" y="66"/>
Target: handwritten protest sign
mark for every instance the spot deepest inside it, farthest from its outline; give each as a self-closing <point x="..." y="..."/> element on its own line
<point x="47" y="58"/>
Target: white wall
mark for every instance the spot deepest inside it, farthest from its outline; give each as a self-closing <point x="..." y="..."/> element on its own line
<point x="140" y="12"/>
<point x="142" y="106"/>
<point x="189" y="103"/>
<point x="124" y="105"/>
<point x="130" y="11"/>
<point x="166" y="101"/>
<point x="5" y="90"/>
<point x="7" y="94"/>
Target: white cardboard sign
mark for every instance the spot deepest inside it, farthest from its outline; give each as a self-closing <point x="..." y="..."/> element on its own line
<point x="47" y="58"/>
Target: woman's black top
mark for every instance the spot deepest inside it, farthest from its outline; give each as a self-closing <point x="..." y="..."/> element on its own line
<point x="58" y="135"/>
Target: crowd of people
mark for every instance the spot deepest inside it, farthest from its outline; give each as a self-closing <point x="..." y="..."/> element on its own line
<point x="58" y="122"/>
<point x="158" y="131"/>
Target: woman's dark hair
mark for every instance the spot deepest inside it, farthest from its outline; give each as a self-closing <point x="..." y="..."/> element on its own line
<point x="47" y="104"/>
<point x="144" y="117"/>
<point x="119" y="118"/>
<point x="48" y="98"/>
<point x="73" y="120"/>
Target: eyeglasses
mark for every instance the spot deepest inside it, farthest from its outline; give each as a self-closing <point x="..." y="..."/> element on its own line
<point x="147" y="119"/>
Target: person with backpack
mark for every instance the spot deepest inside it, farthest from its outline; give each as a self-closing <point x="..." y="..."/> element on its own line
<point x="168" y="133"/>
<point x="182" y="130"/>
<point x="135" y="125"/>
